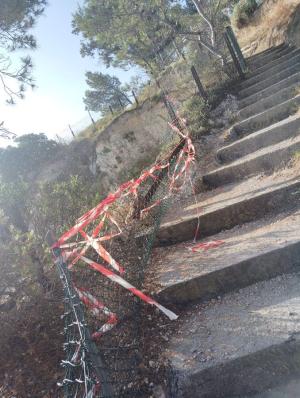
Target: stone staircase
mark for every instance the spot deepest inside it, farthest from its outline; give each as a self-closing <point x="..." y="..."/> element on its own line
<point x="239" y="331"/>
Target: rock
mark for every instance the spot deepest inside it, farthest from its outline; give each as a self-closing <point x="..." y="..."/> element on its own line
<point x="158" y="392"/>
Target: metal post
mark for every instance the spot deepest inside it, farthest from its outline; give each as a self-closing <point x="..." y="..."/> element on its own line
<point x="135" y="97"/>
<point x="72" y="132"/>
<point x="237" y="48"/>
<point x="200" y="87"/>
<point x="77" y="315"/>
<point x="93" y="121"/>
<point x="234" y="57"/>
<point x="111" y="110"/>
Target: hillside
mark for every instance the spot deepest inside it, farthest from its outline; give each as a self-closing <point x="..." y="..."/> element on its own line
<point x="181" y="276"/>
<point x="144" y="129"/>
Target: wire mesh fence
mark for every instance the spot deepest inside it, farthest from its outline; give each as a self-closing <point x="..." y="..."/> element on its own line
<point x="117" y="367"/>
<point x="109" y="361"/>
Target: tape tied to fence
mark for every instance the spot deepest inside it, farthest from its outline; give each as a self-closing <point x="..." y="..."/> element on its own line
<point x="75" y="251"/>
<point x="97" y="308"/>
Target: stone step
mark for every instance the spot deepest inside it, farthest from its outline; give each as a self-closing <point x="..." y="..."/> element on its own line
<point x="268" y="102"/>
<point x="243" y="343"/>
<point x="270" y="69"/>
<point x="289" y="53"/>
<point x="273" y="79"/>
<point x="266" y="118"/>
<point x="250" y="253"/>
<point x="271" y="135"/>
<point x="264" y="160"/>
<point x="291" y="80"/>
<point x="257" y="60"/>
<point x="264" y="52"/>
<point x="224" y="208"/>
<point x="289" y="390"/>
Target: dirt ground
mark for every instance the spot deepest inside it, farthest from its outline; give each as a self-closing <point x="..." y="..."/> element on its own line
<point x="271" y="25"/>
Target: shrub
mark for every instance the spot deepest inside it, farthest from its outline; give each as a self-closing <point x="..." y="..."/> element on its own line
<point x="243" y="11"/>
<point x="196" y="112"/>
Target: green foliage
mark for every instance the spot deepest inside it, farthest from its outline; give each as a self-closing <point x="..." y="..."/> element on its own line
<point x="105" y="90"/>
<point x="26" y="216"/>
<point x="31" y="152"/>
<point x="196" y="112"/>
<point x="17" y="17"/>
<point x="57" y="205"/>
<point x="243" y="11"/>
<point x="13" y="203"/>
<point x="126" y="32"/>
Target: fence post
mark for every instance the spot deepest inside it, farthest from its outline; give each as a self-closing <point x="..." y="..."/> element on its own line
<point x="234" y="56"/>
<point x="200" y="87"/>
<point x="111" y="110"/>
<point x="237" y="48"/>
<point x="135" y="97"/>
<point x="93" y="121"/>
<point x="72" y="132"/>
<point x="75" y="314"/>
<point x="120" y="102"/>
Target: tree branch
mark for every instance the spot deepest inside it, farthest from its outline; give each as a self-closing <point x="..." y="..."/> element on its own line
<point x="202" y="14"/>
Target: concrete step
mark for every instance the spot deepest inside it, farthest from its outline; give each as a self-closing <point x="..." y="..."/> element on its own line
<point x="272" y="68"/>
<point x="273" y="79"/>
<point x="264" y="160"/>
<point x="291" y="80"/>
<point x="271" y="135"/>
<point x="260" y="54"/>
<point x="266" y="118"/>
<point x="250" y="253"/>
<point x="224" y="208"/>
<point x="284" y="56"/>
<point x="260" y="59"/>
<point x="243" y="343"/>
<point x="268" y="102"/>
<point x="289" y="390"/>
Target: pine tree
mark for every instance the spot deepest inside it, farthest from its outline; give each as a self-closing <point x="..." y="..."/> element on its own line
<point x="17" y="18"/>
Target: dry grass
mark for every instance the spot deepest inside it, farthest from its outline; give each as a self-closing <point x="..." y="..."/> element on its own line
<point x="269" y="25"/>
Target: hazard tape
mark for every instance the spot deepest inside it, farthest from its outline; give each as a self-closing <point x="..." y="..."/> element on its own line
<point x="97" y="308"/>
<point x="130" y="188"/>
<point x="120" y="281"/>
<point x="206" y="245"/>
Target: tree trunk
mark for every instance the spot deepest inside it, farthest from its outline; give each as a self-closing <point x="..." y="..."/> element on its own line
<point x="201" y="12"/>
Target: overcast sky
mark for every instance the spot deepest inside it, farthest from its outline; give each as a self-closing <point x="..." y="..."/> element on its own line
<point x="60" y="77"/>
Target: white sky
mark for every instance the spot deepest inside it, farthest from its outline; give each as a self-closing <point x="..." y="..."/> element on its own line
<point x="60" y="77"/>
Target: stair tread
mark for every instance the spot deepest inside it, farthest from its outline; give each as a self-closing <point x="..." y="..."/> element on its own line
<point x="288" y="390"/>
<point x="263" y="152"/>
<point x="268" y="82"/>
<point x="273" y="66"/>
<point x="246" y="141"/>
<point x="267" y="92"/>
<point x="241" y="322"/>
<point x="246" y="123"/>
<point x="288" y="53"/>
<point x="177" y="264"/>
<point x="230" y="331"/>
<point x="180" y="222"/>
<point x="267" y="102"/>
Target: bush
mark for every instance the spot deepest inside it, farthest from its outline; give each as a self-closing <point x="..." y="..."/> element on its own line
<point x="196" y="112"/>
<point x="243" y="11"/>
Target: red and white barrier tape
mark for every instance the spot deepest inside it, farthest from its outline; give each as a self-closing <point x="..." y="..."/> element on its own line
<point x="93" y="240"/>
<point x="120" y="281"/>
<point x="206" y="245"/>
<point x="97" y="308"/>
